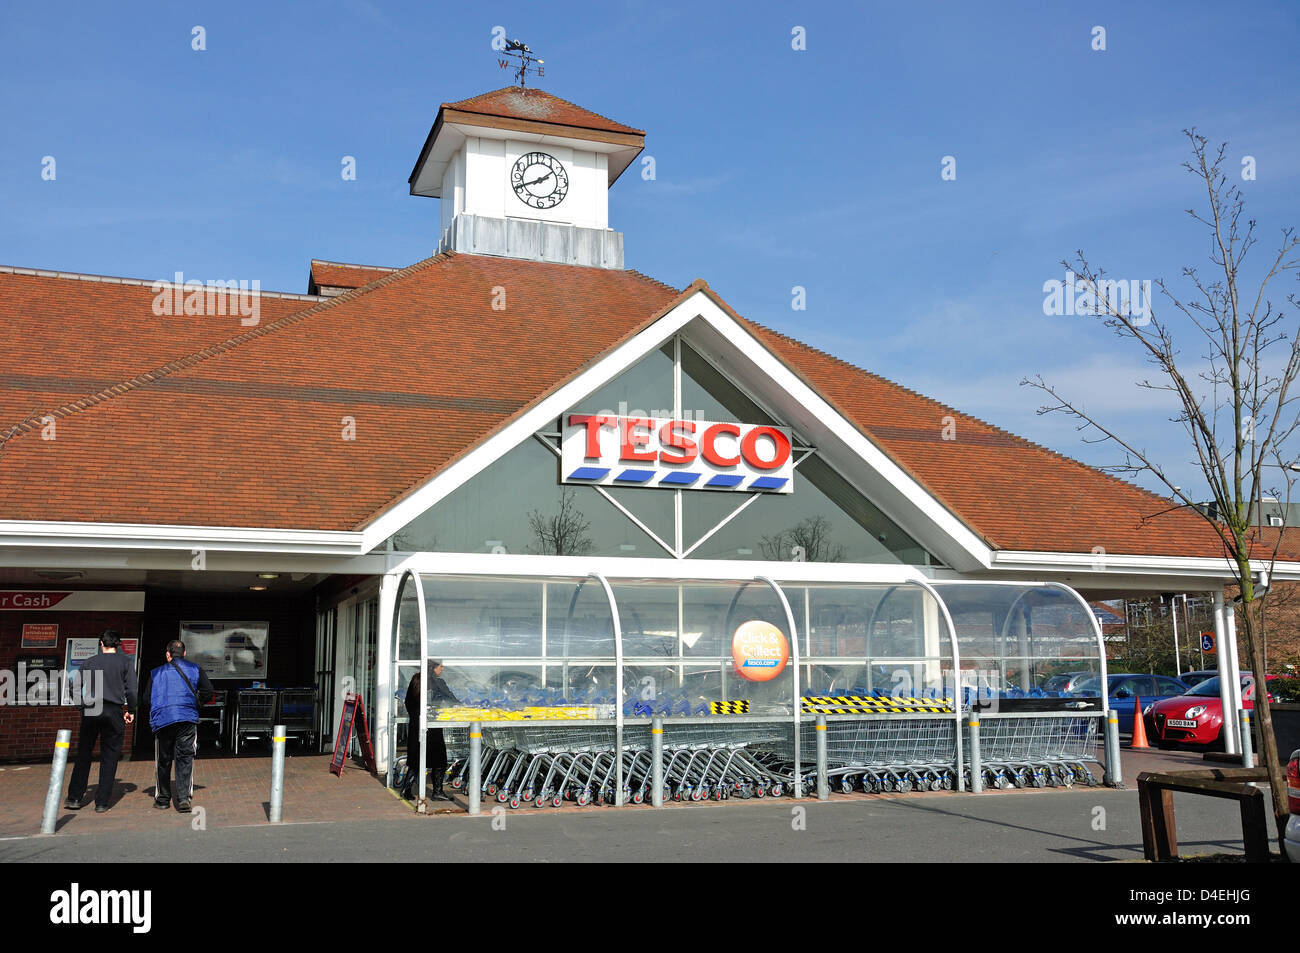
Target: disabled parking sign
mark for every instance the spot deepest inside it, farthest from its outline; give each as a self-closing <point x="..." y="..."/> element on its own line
<point x="1207" y="641"/>
<point x="759" y="650"/>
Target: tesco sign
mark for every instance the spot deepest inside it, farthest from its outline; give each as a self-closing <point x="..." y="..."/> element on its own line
<point x="612" y="450"/>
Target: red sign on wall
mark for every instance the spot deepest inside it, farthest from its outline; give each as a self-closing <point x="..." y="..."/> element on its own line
<point x="15" y="599"/>
<point x="40" y="635"/>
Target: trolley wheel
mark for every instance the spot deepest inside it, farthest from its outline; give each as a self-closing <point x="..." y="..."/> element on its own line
<point x="846" y="786"/>
<point x="637" y="797"/>
<point x="557" y="801"/>
<point x="584" y="799"/>
<point x="491" y="790"/>
<point x="777" y="789"/>
<point x="760" y="791"/>
<point x="502" y="796"/>
<point x="514" y="803"/>
<point x="457" y="782"/>
<point x="527" y="795"/>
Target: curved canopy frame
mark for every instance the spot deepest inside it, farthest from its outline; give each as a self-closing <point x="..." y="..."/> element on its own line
<point x="496" y="631"/>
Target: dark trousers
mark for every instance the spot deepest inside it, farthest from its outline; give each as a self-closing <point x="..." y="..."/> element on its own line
<point x="175" y="744"/>
<point x="109" y="728"/>
<point x="437" y="755"/>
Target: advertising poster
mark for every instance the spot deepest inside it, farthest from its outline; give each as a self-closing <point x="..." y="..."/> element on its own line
<point x="227" y="649"/>
<point x="40" y="635"/>
<point x="75" y="654"/>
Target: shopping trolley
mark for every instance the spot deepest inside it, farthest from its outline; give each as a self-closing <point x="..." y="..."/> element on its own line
<point x="298" y="713"/>
<point x="254" y="715"/>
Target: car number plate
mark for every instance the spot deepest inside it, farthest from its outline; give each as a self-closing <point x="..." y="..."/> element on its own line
<point x="1180" y="723"/>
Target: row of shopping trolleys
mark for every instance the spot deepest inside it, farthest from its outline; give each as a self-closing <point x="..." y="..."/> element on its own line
<point x="531" y="766"/>
<point x="552" y="778"/>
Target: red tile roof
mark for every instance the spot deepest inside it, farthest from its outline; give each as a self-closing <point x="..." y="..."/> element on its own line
<point x="247" y="430"/>
<point x="512" y="102"/>
<point x="1016" y="494"/>
<point x="200" y="421"/>
<point x="336" y="274"/>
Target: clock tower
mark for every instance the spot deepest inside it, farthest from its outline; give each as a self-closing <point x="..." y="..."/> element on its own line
<point x="524" y="174"/>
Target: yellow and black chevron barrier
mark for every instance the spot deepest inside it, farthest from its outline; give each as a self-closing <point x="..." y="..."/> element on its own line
<point x="560" y="713"/>
<point x="729" y="708"/>
<point x="874" y="704"/>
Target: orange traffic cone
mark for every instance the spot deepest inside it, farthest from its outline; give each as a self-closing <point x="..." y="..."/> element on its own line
<point x="1139" y="739"/>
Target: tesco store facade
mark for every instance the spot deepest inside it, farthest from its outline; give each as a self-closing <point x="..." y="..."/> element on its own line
<point x="581" y="488"/>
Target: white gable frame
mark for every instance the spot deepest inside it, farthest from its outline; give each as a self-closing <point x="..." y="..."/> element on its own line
<point x="770" y="383"/>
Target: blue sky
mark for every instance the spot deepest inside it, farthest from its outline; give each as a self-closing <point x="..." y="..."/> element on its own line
<point x="775" y="168"/>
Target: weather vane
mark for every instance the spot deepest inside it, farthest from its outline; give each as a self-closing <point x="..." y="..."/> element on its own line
<point x="519" y="51"/>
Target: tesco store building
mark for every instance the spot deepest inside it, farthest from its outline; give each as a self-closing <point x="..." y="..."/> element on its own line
<point x="594" y="496"/>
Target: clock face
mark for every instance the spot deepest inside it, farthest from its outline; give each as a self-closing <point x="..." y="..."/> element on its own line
<point x="539" y="180"/>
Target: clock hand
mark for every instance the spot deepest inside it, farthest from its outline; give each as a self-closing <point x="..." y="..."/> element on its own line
<point x="535" y="181"/>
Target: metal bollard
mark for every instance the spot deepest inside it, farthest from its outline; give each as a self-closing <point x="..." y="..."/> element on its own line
<point x="1247" y="743"/>
<point x="823" y="786"/>
<point x="55" y="793"/>
<point x="475" y="782"/>
<point x="1114" y="773"/>
<point x="976" y="769"/>
<point x="657" y="752"/>
<point x="277" y="773"/>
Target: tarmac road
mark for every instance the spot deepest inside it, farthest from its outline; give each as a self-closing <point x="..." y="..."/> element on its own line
<point x="1002" y="827"/>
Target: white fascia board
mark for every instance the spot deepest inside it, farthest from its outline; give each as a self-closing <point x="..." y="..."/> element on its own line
<point x="524" y="426"/>
<point x="934" y="518"/>
<point x="540" y="138"/>
<point x="622" y="567"/>
<point x="1102" y="563"/>
<point x="181" y="560"/>
<point x="40" y="533"/>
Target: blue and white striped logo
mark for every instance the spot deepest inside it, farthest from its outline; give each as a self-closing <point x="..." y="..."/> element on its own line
<point x="612" y="450"/>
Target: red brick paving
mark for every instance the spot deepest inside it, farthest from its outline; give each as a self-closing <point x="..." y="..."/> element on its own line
<point x="236" y="791"/>
<point x="231" y="791"/>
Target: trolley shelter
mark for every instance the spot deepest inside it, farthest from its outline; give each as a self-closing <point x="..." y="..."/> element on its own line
<point x="571" y="677"/>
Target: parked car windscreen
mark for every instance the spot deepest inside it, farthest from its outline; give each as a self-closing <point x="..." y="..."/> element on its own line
<point x="1211" y="686"/>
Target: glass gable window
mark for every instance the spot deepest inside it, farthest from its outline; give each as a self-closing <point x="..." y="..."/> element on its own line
<point x="518" y="505"/>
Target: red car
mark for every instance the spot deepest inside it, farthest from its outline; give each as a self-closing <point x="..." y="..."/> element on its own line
<point x="1195" y="718"/>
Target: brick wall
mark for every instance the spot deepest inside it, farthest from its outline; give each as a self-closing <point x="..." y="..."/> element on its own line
<point x="27" y="732"/>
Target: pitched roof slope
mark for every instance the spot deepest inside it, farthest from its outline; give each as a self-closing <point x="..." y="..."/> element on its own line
<point x="417" y="366"/>
<point x="336" y="275"/>
<point x="1014" y="493"/>
<point x="514" y="102"/>
<point x="329" y="411"/>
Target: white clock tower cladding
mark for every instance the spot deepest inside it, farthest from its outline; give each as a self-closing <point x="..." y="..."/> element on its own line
<point x="523" y="174"/>
<point x="545" y="182"/>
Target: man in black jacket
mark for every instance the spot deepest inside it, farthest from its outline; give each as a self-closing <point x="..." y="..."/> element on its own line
<point x="439" y="695"/>
<point x="107" y="699"/>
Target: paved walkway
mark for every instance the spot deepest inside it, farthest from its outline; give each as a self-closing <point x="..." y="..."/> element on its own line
<point x="232" y="792"/>
<point x="235" y="792"/>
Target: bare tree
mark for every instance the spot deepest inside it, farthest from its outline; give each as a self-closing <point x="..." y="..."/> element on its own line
<point x="811" y="537"/>
<point x="1237" y="407"/>
<point x="565" y="533"/>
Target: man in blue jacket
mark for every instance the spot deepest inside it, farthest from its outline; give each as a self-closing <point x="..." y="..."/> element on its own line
<point x="176" y="690"/>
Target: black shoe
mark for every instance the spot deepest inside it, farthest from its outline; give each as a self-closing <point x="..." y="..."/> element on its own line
<point x="101" y="808"/>
<point x="183" y="807"/>
<point x="162" y="805"/>
<point x="72" y="804"/>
